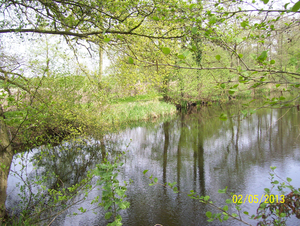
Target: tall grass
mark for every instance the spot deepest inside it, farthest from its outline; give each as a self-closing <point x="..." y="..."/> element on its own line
<point x="137" y="111"/>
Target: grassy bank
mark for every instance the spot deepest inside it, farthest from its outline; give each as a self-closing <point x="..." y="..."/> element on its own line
<point x="125" y="111"/>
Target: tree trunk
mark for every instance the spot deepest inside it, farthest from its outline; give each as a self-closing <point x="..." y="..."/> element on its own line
<point x="100" y="72"/>
<point x="6" y="155"/>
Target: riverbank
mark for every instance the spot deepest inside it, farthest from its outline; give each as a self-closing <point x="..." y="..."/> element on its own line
<point x="64" y="121"/>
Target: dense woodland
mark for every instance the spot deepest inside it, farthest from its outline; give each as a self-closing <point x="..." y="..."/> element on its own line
<point x="162" y="55"/>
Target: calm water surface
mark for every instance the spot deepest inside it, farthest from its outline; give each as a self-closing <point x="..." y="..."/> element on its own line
<point x="198" y="151"/>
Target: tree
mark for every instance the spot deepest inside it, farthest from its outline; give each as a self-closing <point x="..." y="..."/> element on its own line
<point x="232" y="46"/>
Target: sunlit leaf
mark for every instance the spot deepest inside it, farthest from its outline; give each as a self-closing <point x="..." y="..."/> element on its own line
<point x="212" y="20"/>
<point x="130" y="60"/>
<point x="245" y="23"/>
<point x="155" y="18"/>
<point x="222" y="191"/>
<point x="296" y="7"/>
<point x="208" y="214"/>
<point x="263" y="56"/>
<point x="223" y="117"/>
<point x="234" y="215"/>
<point x="229" y="201"/>
<point x="232" y="91"/>
<point x="166" y="50"/>
<point x="218" y="57"/>
<point x="194" y="30"/>
<point x="282" y="214"/>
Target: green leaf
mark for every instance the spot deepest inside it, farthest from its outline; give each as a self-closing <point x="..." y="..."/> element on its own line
<point x="194" y="30"/>
<point x="239" y="69"/>
<point x="145" y="171"/>
<point x="285" y="6"/>
<point x="186" y="53"/>
<point x="277" y="85"/>
<point x="265" y="1"/>
<point x="234" y="215"/>
<point x="155" y="18"/>
<point x="273" y="167"/>
<point x="218" y="57"/>
<point x="175" y="190"/>
<point x="206" y="198"/>
<point x="222" y="85"/>
<point x="108" y="215"/>
<point x="225" y="208"/>
<point x="238" y="40"/>
<point x="166" y="50"/>
<point x="263" y="56"/>
<point x="229" y="201"/>
<point x="222" y="191"/>
<point x="232" y="91"/>
<point x="267" y="190"/>
<point x="208" y="214"/>
<point x="225" y="218"/>
<point x="288" y="179"/>
<point x="244" y="112"/>
<point x="245" y="212"/>
<point x="296" y="7"/>
<point x="212" y="20"/>
<point x="106" y="39"/>
<point x="223" y="117"/>
<point x="272" y="62"/>
<point x="241" y="55"/>
<point x="282" y="214"/>
<point x="245" y="23"/>
<point x="130" y="60"/>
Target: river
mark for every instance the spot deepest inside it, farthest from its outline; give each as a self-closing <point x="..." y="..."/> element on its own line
<point x="198" y="151"/>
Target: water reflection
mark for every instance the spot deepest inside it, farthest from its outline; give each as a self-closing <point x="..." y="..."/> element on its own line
<point x="198" y="151"/>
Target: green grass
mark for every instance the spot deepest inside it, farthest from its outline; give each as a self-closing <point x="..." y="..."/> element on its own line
<point x="137" y="111"/>
<point x="137" y="98"/>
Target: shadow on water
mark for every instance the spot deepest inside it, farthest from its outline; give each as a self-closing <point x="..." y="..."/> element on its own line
<point x="197" y="151"/>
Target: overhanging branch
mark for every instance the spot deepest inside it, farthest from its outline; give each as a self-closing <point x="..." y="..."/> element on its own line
<point x="84" y="34"/>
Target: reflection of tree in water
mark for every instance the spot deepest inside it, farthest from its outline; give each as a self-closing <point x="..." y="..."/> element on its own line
<point x="58" y="169"/>
<point x="166" y="147"/>
<point x="187" y="150"/>
<point x="67" y="164"/>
